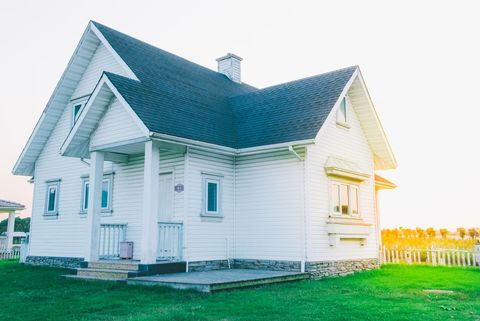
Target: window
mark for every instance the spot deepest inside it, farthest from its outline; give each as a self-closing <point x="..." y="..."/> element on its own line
<point x="51" y="198"/>
<point x="76" y="112"/>
<point x="211" y="199"/>
<point x="345" y="199"/>
<point x="342" y="111"/>
<point x="106" y="194"/>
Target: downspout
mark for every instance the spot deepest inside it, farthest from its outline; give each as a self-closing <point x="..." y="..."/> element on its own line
<point x="186" y="177"/>
<point x="291" y="150"/>
<point x="304" y="196"/>
<point x="234" y="207"/>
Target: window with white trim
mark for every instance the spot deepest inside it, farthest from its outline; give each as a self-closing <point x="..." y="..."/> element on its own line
<point x="211" y="195"/>
<point x="342" y="116"/>
<point x="345" y="199"/>
<point x="106" y="194"/>
<point x="51" y="197"/>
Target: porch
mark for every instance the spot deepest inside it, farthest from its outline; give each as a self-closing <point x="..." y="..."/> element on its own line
<point x="160" y="234"/>
<point x="212" y="281"/>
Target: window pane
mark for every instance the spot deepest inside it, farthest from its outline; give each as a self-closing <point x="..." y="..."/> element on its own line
<point x="105" y="188"/>
<point x="344" y="198"/>
<point x="354" y="200"/>
<point x="76" y="111"/>
<point x="52" y="193"/>
<point x="85" y="195"/>
<point x="343" y="110"/>
<point x="212" y="197"/>
<point x="336" y="198"/>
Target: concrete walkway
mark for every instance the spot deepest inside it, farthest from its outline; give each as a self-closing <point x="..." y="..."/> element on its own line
<point x="210" y="281"/>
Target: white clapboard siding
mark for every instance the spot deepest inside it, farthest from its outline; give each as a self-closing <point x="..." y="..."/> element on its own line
<point x="352" y="145"/>
<point x="208" y="237"/>
<point x="269" y="207"/>
<point x="101" y="61"/>
<point x="116" y="125"/>
<point x="65" y="235"/>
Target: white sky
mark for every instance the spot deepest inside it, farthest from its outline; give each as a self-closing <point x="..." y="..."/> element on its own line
<point x="420" y="60"/>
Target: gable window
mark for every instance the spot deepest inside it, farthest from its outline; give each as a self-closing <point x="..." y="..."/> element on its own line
<point x="345" y="199"/>
<point x="211" y="195"/>
<point x="342" y="111"/>
<point x="51" y="197"/>
<point x="106" y="194"/>
<point x="76" y="112"/>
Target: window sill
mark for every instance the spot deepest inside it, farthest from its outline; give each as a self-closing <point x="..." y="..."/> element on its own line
<point x="103" y="213"/>
<point x="343" y="124"/>
<point x="338" y="218"/>
<point x="211" y="215"/>
<point x="50" y="216"/>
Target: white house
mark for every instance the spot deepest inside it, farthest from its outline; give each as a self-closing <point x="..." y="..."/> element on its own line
<point x="195" y="166"/>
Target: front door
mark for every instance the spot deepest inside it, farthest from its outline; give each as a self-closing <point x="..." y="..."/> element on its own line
<point x="165" y="213"/>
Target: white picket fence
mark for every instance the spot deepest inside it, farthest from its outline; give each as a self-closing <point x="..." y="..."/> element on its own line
<point x="434" y="257"/>
<point x="6" y="254"/>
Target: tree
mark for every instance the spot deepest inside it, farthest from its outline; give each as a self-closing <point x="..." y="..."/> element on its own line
<point x="462" y="232"/>
<point x="431" y="232"/>
<point x="444" y="233"/>
<point x="473" y="233"/>
<point x="21" y="225"/>
<point x="420" y="232"/>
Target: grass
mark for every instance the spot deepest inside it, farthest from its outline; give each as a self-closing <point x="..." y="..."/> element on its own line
<point x="392" y="293"/>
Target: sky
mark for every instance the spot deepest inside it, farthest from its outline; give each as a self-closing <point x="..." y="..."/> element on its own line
<point x="420" y="61"/>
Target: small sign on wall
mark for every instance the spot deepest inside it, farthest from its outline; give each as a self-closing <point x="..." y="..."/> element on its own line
<point x="179" y="188"/>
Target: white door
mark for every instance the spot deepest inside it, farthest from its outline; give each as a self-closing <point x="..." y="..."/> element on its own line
<point x="166" y="198"/>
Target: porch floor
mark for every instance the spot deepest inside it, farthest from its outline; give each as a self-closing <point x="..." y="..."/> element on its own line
<point x="210" y="281"/>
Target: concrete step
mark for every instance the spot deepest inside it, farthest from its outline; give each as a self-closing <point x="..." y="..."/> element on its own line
<point x="113" y="265"/>
<point x="105" y="274"/>
<point x="91" y="278"/>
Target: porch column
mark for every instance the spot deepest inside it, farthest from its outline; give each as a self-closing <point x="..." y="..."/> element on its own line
<point x="150" y="203"/>
<point x="10" y="229"/>
<point x="94" y="205"/>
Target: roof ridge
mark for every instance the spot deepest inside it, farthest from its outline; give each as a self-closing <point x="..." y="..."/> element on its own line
<point x="291" y="82"/>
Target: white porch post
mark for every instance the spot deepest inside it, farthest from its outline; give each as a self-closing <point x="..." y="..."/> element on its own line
<point x="10" y="229"/>
<point x="94" y="205"/>
<point x="150" y="203"/>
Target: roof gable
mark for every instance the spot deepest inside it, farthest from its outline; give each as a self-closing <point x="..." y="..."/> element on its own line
<point x="105" y="100"/>
<point x="59" y="99"/>
<point x="288" y="112"/>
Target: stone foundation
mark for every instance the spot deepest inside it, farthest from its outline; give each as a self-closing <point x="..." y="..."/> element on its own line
<point x="55" y="261"/>
<point x="272" y="265"/>
<point x="337" y="268"/>
<point x="200" y="266"/>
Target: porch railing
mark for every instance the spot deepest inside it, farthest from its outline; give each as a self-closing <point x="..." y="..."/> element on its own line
<point x="170" y="241"/>
<point x="110" y="237"/>
<point x="10" y="254"/>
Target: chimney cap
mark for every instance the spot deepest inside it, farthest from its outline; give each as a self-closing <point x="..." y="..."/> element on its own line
<point x="229" y="55"/>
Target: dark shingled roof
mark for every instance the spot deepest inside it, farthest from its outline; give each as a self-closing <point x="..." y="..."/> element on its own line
<point x="177" y="97"/>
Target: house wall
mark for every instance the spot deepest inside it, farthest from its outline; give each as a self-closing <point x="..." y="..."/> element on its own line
<point x="209" y="238"/>
<point x="65" y="234"/>
<point x="269" y="207"/>
<point x="350" y="144"/>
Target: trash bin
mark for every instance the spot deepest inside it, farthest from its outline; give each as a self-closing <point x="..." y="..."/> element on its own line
<point x="126" y="250"/>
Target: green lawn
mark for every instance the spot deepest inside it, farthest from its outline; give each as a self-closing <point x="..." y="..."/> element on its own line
<point x="392" y="293"/>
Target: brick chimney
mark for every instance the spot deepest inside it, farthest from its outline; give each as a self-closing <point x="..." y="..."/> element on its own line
<point x="229" y="65"/>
